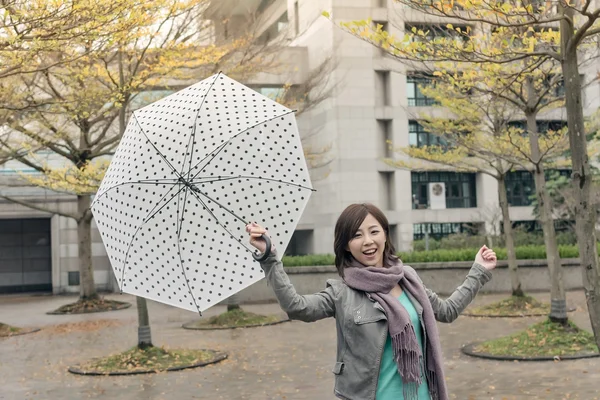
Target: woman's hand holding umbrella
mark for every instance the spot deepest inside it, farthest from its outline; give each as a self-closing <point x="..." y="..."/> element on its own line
<point x="260" y="239"/>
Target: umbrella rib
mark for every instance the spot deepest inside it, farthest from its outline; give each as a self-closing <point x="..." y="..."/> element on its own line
<point x="148" y="218"/>
<point x="221" y="178"/>
<point x="130" y="183"/>
<point x="194" y="129"/>
<point x="153" y="145"/>
<point x="234" y="136"/>
<point x="195" y="194"/>
<point x="180" y="224"/>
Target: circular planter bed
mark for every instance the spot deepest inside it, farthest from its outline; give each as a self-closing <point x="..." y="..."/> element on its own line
<point x="513" y="307"/>
<point x="148" y="361"/>
<point x="471" y="350"/>
<point x="90" y="306"/>
<point x="237" y="318"/>
<point x="544" y="341"/>
<point x="8" y="331"/>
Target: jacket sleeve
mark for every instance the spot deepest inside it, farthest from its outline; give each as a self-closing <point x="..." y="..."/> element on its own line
<point x="448" y="310"/>
<point x="307" y="308"/>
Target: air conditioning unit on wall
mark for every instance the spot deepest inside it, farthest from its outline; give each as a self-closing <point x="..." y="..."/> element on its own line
<point x="437" y="195"/>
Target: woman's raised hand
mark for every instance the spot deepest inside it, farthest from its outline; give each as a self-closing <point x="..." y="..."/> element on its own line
<point x="256" y="231"/>
<point x="486" y="258"/>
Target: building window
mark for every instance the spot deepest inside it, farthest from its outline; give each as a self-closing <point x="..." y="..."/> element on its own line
<point x="414" y="83"/>
<point x="419" y="137"/>
<point x="534" y="226"/>
<point x="460" y="188"/>
<point x="274" y="30"/>
<point x="543" y="126"/>
<point x="264" y="4"/>
<point x="301" y="243"/>
<point x="434" y="31"/>
<point x="437" y="231"/>
<point x="520" y="186"/>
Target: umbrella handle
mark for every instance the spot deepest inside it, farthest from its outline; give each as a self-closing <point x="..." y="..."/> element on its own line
<point x="267" y="252"/>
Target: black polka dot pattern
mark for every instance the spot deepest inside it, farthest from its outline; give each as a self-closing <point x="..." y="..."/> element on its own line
<point x="190" y="172"/>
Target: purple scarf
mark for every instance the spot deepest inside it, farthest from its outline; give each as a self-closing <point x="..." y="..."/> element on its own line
<point x="378" y="282"/>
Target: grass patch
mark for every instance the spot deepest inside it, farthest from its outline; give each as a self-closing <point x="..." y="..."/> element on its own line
<point x="513" y="306"/>
<point x="91" y="306"/>
<point x="234" y="318"/>
<point x="545" y="339"/>
<point x="150" y="358"/>
<point x="7" y="330"/>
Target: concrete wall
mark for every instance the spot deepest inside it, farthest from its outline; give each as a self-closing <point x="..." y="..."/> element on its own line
<point x="442" y="278"/>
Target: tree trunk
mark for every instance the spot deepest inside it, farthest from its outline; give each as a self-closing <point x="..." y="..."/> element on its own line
<point x="558" y="302"/>
<point x="84" y="234"/>
<point x="515" y="281"/>
<point x="585" y="212"/>
<point x="144" y="334"/>
<point x="233" y="302"/>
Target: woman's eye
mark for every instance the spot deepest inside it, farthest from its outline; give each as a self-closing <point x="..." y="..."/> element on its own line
<point x="374" y="232"/>
<point x="356" y="235"/>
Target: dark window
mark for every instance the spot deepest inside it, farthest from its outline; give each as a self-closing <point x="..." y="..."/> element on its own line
<point x="436" y="231"/>
<point x="414" y="83"/>
<point x="460" y="188"/>
<point x="434" y="31"/>
<point x="543" y="126"/>
<point x="419" y="137"/>
<point x="301" y="243"/>
<point x="558" y="85"/>
<point x="264" y="4"/>
<point x="520" y="186"/>
<point x="560" y="225"/>
<point x="274" y="30"/>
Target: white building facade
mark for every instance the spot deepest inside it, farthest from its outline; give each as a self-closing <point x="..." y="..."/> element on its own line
<point x="374" y="102"/>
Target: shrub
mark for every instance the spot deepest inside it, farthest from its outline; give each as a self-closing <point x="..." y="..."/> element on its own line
<point x="530" y="252"/>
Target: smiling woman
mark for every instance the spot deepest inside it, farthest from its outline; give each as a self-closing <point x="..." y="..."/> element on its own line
<point x="387" y="339"/>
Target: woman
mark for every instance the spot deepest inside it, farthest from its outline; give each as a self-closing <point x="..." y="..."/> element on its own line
<point x="388" y="345"/>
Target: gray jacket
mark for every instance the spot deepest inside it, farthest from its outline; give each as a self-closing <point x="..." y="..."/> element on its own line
<point x="361" y="323"/>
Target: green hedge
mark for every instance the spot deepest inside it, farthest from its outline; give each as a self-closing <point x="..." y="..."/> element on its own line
<point x="441" y="255"/>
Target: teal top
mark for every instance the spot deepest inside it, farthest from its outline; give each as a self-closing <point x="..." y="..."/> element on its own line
<point x="389" y="386"/>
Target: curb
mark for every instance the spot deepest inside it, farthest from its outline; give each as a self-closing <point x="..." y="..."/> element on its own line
<point x="469" y="350"/>
<point x="571" y="309"/>
<point x="186" y="326"/>
<point x="218" y="358"/>
<point x="124" y="306"/>
<point x="26" y="332"/>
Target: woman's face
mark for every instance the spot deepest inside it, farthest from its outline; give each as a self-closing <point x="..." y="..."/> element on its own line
<point x="367" y="244"/>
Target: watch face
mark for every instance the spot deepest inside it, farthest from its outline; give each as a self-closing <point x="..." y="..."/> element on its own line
<point x="437" y="189"/>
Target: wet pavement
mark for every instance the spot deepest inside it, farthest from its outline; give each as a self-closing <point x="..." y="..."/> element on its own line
<point x="287" y="361"/>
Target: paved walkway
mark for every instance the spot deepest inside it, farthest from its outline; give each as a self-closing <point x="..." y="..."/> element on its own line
<point x="288" y="361"/>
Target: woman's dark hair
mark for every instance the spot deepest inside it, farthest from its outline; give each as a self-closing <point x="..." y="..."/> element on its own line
<point x="346" y="226"/>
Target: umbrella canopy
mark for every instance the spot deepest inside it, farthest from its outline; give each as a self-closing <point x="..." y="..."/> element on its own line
<point x="190" y="172"/>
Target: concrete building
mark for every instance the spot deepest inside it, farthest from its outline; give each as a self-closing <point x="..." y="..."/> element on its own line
<point x="374" y="101"/>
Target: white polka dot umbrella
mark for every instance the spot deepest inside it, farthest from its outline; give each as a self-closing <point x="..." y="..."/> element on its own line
<point x="190" y="172"/>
